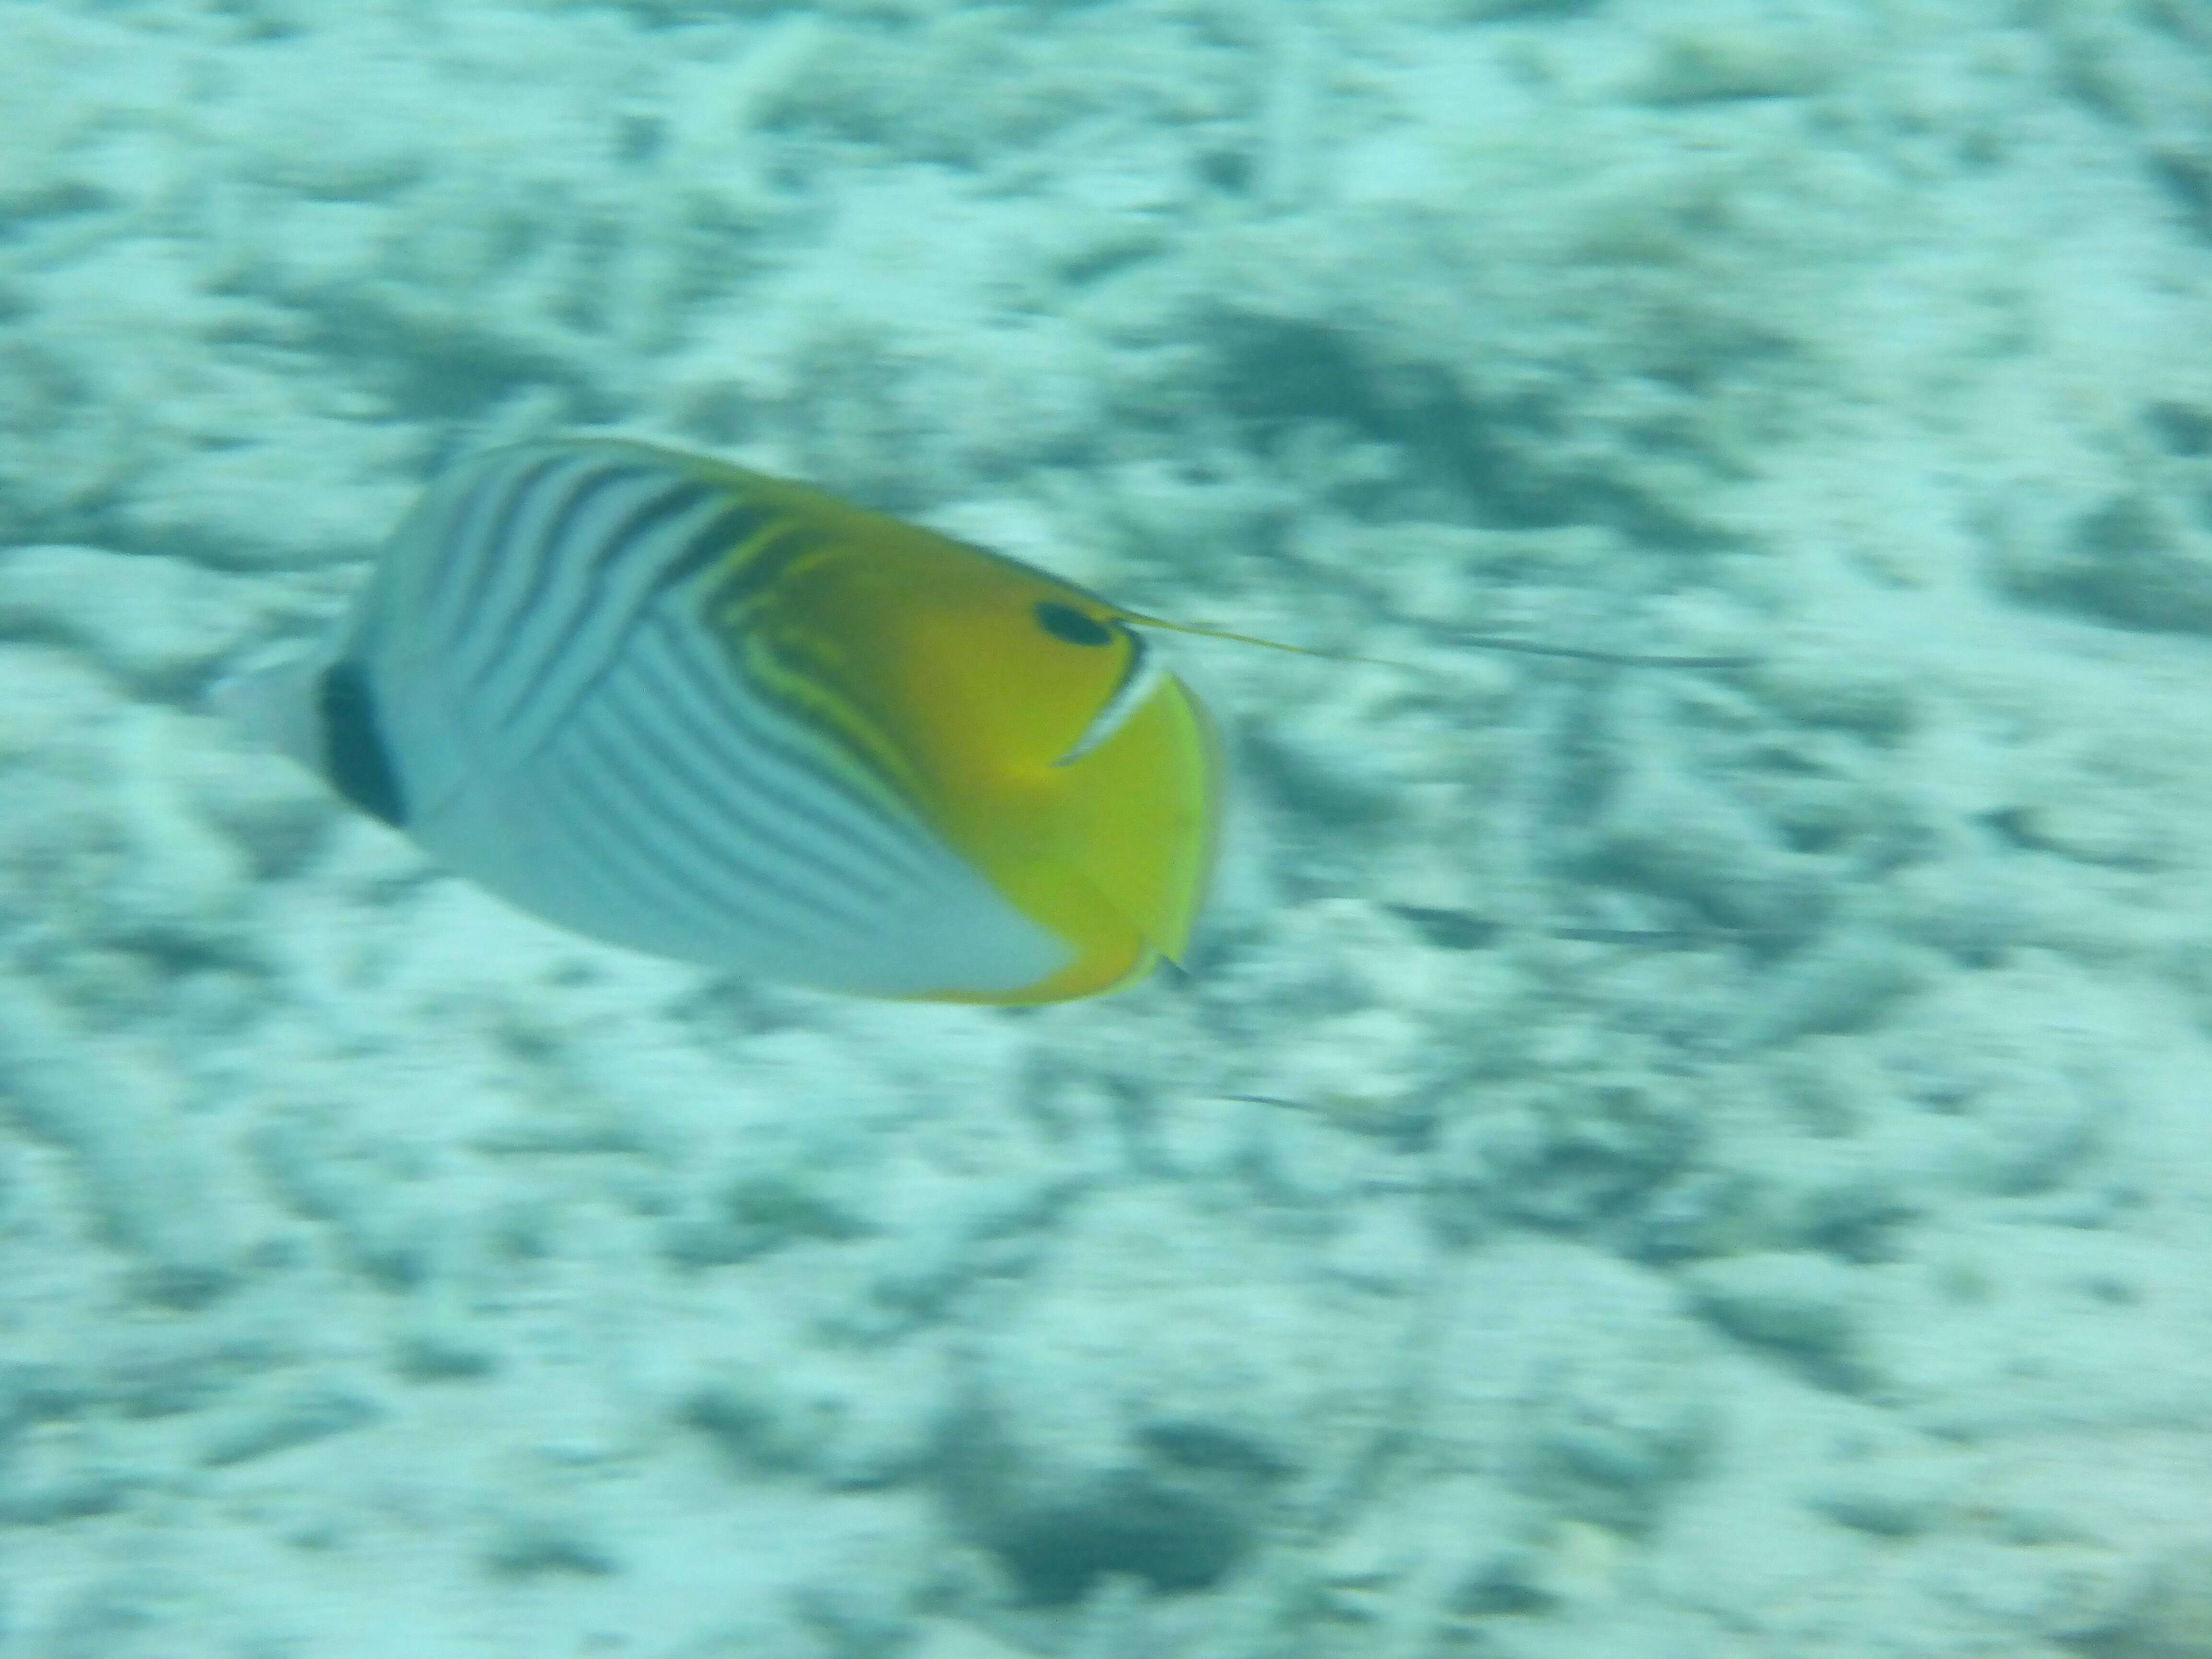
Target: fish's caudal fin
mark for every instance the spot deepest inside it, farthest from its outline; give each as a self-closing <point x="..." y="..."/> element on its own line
<point x="278" y="705"/>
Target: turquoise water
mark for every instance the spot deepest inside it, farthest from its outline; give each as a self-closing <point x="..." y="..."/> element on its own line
<point x="1673" y="1162"/>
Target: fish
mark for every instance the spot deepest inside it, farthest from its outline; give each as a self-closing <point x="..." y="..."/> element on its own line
<point x="675" y="705"/>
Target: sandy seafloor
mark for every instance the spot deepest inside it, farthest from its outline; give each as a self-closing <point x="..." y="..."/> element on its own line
<point x="382" y="1273"/>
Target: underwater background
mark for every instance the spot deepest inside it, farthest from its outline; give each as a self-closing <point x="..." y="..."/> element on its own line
<point x="1425" y="1275"/>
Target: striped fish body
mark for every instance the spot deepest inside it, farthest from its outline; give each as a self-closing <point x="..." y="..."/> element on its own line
<point x="730" y="719"/>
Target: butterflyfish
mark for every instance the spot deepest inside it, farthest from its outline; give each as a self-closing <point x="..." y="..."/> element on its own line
<point x="722" y="717"/>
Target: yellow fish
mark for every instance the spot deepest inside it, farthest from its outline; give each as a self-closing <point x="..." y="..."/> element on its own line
<point x="725" y="717"/>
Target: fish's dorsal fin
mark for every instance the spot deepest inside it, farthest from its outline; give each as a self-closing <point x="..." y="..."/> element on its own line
<point x="1474" y="641"/>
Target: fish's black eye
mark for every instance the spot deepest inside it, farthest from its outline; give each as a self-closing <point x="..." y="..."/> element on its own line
<point x="1064" y="622"/>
